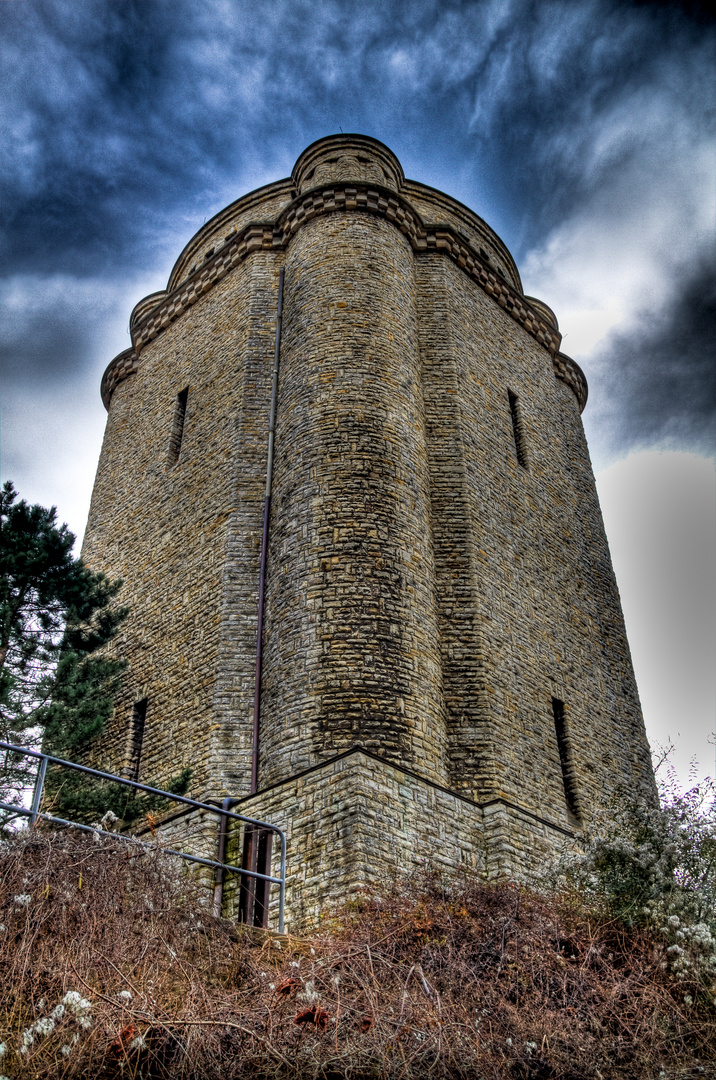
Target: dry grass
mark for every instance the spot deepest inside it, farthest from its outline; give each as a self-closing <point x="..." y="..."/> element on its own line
<point x="473" y="981"/>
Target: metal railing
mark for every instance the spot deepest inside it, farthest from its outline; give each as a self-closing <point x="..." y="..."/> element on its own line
<point x="34" y="813"/>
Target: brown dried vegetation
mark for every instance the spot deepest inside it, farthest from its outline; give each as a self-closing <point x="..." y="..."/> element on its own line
<point x="463" y="980"/>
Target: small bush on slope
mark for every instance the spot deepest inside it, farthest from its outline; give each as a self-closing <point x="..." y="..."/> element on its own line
<point x="111" y="967"/>
<point x="654" y="867"/>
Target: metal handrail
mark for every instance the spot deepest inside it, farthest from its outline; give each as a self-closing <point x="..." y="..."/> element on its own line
<point x="34" y="813"/>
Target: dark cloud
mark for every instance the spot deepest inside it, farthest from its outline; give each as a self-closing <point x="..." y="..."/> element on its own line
<point x="123" y="112"/>
<point x="655" y="385"/>
<point x="52" y="325"/>
<point x="700" y="12"/>
<point x="89" y="165"/>
<point x="547" y="93"/>
<point x="128" y="123"/>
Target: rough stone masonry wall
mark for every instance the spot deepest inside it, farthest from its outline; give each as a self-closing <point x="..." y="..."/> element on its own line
<point x="619" y="750"/>
<point x="463" y="645"/>
<point x="165" y="529"/>
<point x="351" y="643"/>
<point x="547" y="613"/>
<point x="232" y="723"/>
<point x="355" y="821"/>
<point x="352" y="824"/>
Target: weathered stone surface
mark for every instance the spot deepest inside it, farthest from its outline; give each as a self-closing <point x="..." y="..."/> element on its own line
<point x="438" y="571"/>
<point x="353" y="655"/>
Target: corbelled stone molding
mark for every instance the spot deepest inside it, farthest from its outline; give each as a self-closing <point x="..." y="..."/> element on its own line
<point x="145" y="305"/>
<point x="542" y="308"/>
<point x="372" y="199"/>
<point x="569" y="371"/>
<point x="116" y="372"/>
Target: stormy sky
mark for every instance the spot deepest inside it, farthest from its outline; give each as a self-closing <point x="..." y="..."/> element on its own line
<point x="581" y="130"/>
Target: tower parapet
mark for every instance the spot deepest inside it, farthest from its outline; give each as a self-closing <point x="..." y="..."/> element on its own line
<point x="347" y="158"/>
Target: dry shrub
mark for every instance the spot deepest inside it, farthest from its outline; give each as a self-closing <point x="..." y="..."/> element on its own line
<point x="112" y="967"/>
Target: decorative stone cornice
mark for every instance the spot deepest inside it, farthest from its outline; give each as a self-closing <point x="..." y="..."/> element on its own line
<point x="386" y="203"/>
<point x="145" y="305"/>
<point x="368" y="198"/>
<point x="569" y="371"/>
<point x="117" y="371"/>
<point x="253" y="237"/>
<point x="542" y="309"/>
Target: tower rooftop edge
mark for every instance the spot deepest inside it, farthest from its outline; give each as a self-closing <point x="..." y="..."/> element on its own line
<point x="323" y="173"/>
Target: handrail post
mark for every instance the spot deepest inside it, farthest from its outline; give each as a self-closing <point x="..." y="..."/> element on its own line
<point x="282" y="886"/>
<point x="224" y="813"/>
<point x="226" y="804"/>
<point x="37" y="791"/>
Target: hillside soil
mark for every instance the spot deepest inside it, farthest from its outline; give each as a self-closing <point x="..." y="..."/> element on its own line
<point x="111" y="966"/>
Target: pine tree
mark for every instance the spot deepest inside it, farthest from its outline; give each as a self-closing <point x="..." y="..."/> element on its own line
<point x="55" y="614"/>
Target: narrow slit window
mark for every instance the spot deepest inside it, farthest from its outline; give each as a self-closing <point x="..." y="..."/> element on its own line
<point x="518" y="429"/>
<point x="136" y="738"/>
<point x="565" y="759"/>
<point x="178" y="426"/>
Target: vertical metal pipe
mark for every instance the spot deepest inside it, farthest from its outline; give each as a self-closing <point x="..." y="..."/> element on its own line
<point x="37" y="792"/>
<point x="264" y="542"/>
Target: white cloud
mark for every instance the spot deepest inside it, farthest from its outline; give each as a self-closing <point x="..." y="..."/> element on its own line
<point x="56" y="436"/>
<point x="647" y="214"/>
<point x="64" y="331"/>
<point x="660" y="515"/>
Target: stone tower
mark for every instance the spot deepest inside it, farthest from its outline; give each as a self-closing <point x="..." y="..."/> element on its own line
<point x="445" y="671"/>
